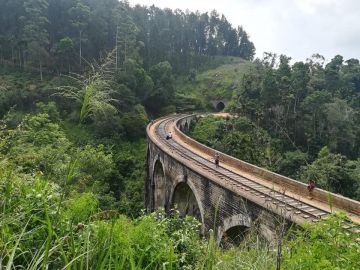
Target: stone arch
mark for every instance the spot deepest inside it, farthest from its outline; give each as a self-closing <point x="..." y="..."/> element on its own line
<point x="233" y="236"/>
<point x="185" y="200"/>
<point x="149" y="183"/>
<point x="186" y="127"/>
<point x="220" y="106"/>
<point x="234" y="227"/>
<point x="183" y="185"/>
<point x="159" y="185"/>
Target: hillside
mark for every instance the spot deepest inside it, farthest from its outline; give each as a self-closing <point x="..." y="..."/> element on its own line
<point x="64" y="183"/>
<point x="79" y="82"/>
<point x="218" y="83"/>
<point x="299" y="120"/>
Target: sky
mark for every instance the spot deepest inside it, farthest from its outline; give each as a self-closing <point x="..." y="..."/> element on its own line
<point x="296" y="28"/>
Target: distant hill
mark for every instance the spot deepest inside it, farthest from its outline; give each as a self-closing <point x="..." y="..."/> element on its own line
<point x="196" y="91"/>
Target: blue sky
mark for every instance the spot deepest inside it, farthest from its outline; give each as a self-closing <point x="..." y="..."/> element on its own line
<point x="297" y="28"/>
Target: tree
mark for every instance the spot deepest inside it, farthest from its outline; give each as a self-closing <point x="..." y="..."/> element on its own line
<point x="291" y="163"/>
<point x="317" y="73"/>
<point x="299" y="81"/>
<point x="80" y="15"/>
<point x="331" y="172"/>
<point x="65" y="48"/>
<point x="148" y="35"/>
<point x="332" y="75"/>
<point x="126" y="44"/>
<point x="163" y="90"/>
<point x="284" y="69"/>
<point x="269" y="90"/>
<point x="341" y="130"/>
<point x="35" y="30"/>
<point x="136" y="79"/>
<point x="134" y="122"/>
<point x="314" y="119"/>
<point x="246" y="48"/>
<point x="248" y="99"/>
<point x="269" y="60"/>
<point x="351" y="77"/>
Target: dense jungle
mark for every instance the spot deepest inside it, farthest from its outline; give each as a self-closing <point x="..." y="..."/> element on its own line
<point x="79" y="82"/>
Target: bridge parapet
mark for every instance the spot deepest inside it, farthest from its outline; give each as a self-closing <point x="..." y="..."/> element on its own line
<point x="181" y="172"/>
<point x="288" y="184"/>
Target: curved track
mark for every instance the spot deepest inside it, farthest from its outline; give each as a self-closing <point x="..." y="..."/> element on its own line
<point x="294" y="208"/>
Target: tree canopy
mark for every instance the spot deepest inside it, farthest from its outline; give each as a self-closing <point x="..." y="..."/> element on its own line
<point x="63" y="35"/>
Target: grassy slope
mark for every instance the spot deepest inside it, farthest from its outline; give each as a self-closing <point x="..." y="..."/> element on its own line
<point x="214" y="83"/>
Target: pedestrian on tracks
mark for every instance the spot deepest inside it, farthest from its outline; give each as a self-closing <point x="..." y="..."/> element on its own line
<point x="217" y="159"/>
<point x="311" y="186"/>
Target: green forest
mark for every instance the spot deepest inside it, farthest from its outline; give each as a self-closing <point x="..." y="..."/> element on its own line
<point x="79" y="82"/>
<point x="299" y="120"/>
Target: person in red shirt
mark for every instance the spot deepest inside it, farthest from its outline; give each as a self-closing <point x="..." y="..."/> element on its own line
<point x="311" y="186"/>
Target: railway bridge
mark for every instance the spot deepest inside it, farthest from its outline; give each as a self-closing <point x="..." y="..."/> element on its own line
<point x="233" y="197"/>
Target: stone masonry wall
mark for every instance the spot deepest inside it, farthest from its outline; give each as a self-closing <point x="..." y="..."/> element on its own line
<point x="219" y="207"/>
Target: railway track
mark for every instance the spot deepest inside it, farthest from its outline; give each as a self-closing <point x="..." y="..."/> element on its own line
<point x="289" y="205"/>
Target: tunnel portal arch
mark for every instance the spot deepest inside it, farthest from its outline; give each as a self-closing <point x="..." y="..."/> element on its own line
<point x="220" y="106"/>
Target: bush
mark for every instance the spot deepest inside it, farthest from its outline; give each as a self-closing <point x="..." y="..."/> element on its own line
<point x="332" y="172"/>
<point x="134" y="122"/>
<point x="326" y="246"/>
<point x="80" y="206"/>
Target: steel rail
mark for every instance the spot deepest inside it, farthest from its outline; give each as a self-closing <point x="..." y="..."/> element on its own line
<point x="277" y="198"/>
<point x="290" y="204"/>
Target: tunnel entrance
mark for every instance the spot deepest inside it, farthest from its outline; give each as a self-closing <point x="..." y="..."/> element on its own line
<point x="159" y="185"/>
<point x="185" y="201"/>
<point x="220" y="106"/>
<point x="233" y="236"/>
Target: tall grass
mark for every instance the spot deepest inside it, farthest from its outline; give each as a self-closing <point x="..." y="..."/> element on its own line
<point x="92" y="92"/>
<point x="39" y="231"/>
<point x="40" y="228"/>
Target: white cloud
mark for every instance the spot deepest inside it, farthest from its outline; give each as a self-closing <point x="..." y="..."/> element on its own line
<point x="297" y="28"/>
<point x="312" y="6"/>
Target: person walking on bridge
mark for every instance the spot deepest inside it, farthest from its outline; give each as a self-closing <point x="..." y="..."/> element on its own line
<point x="217" y="159"/>
<point x="311" y="186"/>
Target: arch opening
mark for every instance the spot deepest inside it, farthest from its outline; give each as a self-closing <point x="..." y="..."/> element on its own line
<point x="186" y="127"/>
<point x="149" y="195"/>
<point x="220" y="106"/>
<point x="185" y="201"/>
<point x="233" y="236"/>
<point x="159" y="184"/>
